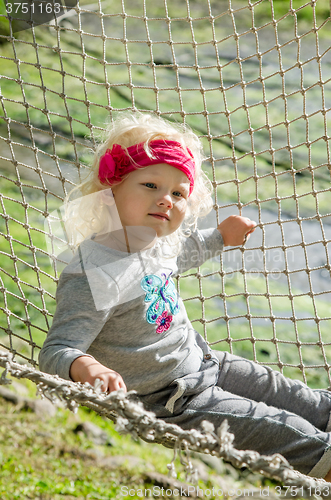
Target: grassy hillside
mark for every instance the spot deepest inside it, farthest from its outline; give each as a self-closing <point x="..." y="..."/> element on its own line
<point x="55" y="457"/>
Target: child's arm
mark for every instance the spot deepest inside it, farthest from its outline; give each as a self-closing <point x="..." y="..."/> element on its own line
<point x="87" y="369"/>
<point x="76" y="325"/>
<point x="205" y="244"/>
<point x="235" y="230"/>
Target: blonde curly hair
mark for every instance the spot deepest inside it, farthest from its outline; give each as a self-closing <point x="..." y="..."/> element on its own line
<point x="126" y="130"/>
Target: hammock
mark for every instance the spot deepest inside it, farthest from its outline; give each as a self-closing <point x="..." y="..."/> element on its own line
<point x="253" y="80"/>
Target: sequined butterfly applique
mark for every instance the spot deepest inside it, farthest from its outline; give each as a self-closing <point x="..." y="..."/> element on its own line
<point x="163" y="295"/>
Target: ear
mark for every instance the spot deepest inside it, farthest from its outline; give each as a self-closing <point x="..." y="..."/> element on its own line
<point x="107" y="197"/>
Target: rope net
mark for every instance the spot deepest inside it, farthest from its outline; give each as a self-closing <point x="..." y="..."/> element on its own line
<point x="253" y="79"/>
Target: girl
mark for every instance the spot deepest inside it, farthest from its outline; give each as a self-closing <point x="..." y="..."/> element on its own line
<point x="119" y="318"/>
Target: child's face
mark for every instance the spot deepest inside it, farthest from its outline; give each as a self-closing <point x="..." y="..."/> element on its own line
<point x="155" y="197"/>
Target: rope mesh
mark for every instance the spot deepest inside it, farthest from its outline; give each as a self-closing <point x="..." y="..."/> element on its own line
<point x="253" y="80"/>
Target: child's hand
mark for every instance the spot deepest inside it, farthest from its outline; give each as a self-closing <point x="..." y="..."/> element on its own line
<point x="235" y="230"/>
<point x="86" y="369"/>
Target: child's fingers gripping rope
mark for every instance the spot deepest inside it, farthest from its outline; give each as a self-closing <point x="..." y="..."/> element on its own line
<point x="247" y="235"/>
<point x="87" y="369"/>
<point x="236" y="229"/>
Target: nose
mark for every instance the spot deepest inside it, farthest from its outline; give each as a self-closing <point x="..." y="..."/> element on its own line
<point x="165" y="200"/>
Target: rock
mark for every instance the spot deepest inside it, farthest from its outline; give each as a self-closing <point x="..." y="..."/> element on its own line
<point x="117" y="461"/>
<point x="186" y="490"/>
<point x="19" y="389"/>
<point x="9" y="395"/>
<point x="93" y="432"/>
<point x="97" y="453"/>
<point x="78" y="452"/>
<point x="214" y="463"/>
<point x="42" y="407"/>
<point x="202" y="469"/>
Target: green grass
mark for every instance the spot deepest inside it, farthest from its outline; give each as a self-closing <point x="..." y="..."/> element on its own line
<point x="45" y="459"/>
<point x="303" y="10"/>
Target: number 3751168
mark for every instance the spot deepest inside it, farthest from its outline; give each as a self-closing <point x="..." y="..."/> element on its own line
<point x="33" y="8"/>
<point x="296" y="491"/>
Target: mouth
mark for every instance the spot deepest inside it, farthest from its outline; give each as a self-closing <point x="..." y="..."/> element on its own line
<point x="160" y="216"/>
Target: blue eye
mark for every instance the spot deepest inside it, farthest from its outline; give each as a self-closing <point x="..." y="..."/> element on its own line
<point x="150" y="185"/>
<point x="177" y="193"/>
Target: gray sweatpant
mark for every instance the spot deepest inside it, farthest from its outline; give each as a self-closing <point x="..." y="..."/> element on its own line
<point x="266" y="411"/>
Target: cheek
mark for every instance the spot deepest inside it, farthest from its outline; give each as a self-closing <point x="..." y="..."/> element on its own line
<point x="124" y="209"/>
<point x="134" y="210"/>
<point x="181" y="208"/>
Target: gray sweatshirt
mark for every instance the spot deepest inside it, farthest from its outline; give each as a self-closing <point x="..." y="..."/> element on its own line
<point x="123" y="310"/>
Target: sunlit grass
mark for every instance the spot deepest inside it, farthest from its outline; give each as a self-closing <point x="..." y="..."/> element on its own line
<point x="45" y="458"/>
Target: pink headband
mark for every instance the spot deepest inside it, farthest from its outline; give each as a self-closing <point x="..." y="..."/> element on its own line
<point x="117" y="162"/>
